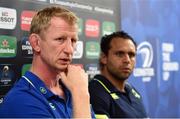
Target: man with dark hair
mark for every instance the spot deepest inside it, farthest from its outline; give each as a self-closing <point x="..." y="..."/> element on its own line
<point x="110" y="94"/>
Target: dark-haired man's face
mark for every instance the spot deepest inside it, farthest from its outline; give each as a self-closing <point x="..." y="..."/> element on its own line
<point x="121" y="59"/>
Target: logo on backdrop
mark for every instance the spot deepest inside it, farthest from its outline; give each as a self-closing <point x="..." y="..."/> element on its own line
<point x="6" y="75"/>
<point x="78" y="53"/>
<point x="26" y="18"/>
<point x="26" y="47"/>
<point x="92" y="50"/>
<point x="146" y="71"/>
<point x="92" y="28"/>
<point x="108" y="27"/>
<point x="8" y="46"/>
<point x="8" y="18"/>
<point x="92" y="70"/>
<point x="168" y="65"/>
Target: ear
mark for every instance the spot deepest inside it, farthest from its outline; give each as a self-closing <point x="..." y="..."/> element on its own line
<point x="103" y="58"/>
<point x="34" y="40"/>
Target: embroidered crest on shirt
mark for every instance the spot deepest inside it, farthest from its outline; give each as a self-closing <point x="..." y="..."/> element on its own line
<point x="135" y="94"/>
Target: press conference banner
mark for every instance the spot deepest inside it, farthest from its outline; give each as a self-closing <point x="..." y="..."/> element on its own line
<point x="155" y="26"/>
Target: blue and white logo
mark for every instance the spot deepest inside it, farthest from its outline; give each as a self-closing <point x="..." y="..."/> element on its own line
<point x="146" y="71"/>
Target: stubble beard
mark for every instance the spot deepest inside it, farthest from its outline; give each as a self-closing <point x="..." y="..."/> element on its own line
<point x="118" y="75"/>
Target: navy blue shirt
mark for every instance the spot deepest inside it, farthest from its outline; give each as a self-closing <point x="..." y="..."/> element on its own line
<point x="108" y="102"/>
<point x="30" y="98"/>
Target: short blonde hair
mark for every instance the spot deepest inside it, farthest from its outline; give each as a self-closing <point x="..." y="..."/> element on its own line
<point x="42" y="18"/>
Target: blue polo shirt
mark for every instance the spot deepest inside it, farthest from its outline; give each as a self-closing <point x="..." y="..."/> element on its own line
<point x="108" y="102"/>
<point x="30" y="98"/>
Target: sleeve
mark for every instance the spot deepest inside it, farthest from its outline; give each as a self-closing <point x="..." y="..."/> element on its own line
<point x="23" y="106"/>
<point x="100" y="100"/>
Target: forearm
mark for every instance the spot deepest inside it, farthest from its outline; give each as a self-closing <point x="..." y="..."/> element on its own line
<point x="81" y="105"/>
<point x="76" y="80"/>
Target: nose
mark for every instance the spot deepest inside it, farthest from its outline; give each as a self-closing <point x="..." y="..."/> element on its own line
<point x="126" y="58"/>
<point x="69" y="48"/>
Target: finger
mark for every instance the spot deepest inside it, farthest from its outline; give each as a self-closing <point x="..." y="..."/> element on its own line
<point x="63" y="76"/>
<point x="58" y="77"/>
<point x="86" y="75"/>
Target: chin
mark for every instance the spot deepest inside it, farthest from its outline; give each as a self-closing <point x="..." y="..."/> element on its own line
<point x="125" y="77"/>
<point x="62" y="68"/>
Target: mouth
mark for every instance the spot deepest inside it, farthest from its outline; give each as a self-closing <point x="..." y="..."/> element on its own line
<point x="65" y="61"/>
<point x="126" y="70"/>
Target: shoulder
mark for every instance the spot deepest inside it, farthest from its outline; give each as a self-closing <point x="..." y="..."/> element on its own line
<point x="100" y="85"/>
<point x="99" y="97"/>
<point x="22" y="101"/>
<point x="95" y="86"/>
<point x="98" y="92"/>
<point x="132" y="90"/>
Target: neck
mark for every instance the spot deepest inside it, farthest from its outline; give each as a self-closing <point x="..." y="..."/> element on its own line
<point x="45" y="75"/>
<point x="44" y="71"/>
<point x="48" y="76"/>
<point x="119" y="84"/>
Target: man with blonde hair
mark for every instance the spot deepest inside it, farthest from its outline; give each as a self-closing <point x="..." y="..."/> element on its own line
<point x="52" y="88"/>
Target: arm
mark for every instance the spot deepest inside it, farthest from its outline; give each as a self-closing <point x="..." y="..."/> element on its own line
<point x="76" y="80"/>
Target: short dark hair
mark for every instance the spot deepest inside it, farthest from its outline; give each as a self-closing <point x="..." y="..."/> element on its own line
<point x="106" y="41"/>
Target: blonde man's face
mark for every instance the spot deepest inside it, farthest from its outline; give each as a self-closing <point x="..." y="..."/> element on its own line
<point x="58" y="43"/>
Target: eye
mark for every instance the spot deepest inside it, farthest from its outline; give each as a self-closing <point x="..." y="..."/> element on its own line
<point x="119" y="54"/>
<point x="74" y="40"/>
<point x="132" y="54"/>
<point x="60" y="39"/>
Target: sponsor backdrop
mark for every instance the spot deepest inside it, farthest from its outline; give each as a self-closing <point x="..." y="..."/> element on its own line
<point x="155" y="26"/>
<point x="96" y="19"/>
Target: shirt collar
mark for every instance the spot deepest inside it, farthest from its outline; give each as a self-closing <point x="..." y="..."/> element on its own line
<point x="109" y="85"/>
<point x="40" y="86"/>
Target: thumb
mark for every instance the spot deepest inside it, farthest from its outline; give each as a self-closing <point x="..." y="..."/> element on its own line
<point x="63" y="76"/>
